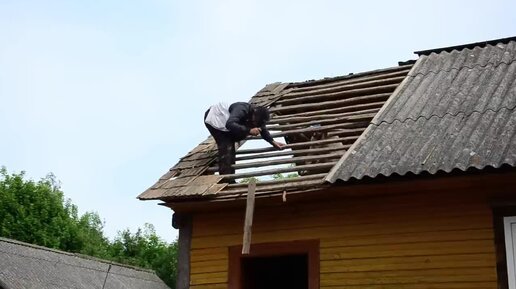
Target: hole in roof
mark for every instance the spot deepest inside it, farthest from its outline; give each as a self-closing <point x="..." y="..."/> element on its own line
<point x="259" y="163"/>
<point x="318" y="121"/>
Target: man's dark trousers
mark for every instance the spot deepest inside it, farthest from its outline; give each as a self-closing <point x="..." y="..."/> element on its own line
<point x="226" y="148"/>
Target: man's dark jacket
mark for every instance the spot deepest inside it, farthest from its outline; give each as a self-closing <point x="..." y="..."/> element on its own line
<point x="239" y="122"/>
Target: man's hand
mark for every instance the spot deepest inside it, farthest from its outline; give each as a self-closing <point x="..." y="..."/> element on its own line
<point x="255" y="131"/>
<point x="279" y="145"/>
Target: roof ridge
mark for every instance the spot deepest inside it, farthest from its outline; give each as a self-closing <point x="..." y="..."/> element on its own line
<point x="350" y="75"/>
<point x="78" y="255"/>
<point x="494" y="64"/>
<point x="466" y="46"/>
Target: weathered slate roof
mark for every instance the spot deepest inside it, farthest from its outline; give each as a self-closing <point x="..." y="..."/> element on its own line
<point x="24" y="266"/>
<point x="455" y="110"/>
<point x="319" y="120"/>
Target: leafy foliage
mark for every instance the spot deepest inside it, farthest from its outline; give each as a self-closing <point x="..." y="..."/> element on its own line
<point x="37" y="213"/>
<point x="248" y="180"/>
<point x="280" y="176"/>
<point x="145" y="249"/>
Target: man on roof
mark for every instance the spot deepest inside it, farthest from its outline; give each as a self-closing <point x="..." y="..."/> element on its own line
<point x="230" y="124"/>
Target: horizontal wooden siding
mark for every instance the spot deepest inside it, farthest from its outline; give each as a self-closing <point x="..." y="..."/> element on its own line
<point x="410" y="241"/>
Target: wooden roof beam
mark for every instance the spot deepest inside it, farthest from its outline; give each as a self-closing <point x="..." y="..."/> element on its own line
<point x="345" y="140"/>
<point x="359" y="126"/>
<point x="354" y="118"/>
<point x="333" y="104"/>
<point x="353" y="78"/>
<point x="292" y="152"/>
<point x="346" y="87"/>
<point x="281" y="170"/>
<point x="353" y="108"/>
<point x="282" y="161"/>
<point x="339" y="94"/>
<point x="291" y="184"/>
<point x="278" y="181"/>
<point x="290" y="120"/>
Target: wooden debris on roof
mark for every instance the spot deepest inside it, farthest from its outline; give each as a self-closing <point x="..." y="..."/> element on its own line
<point x="319" y="120"/>
<point x="201" y="185"/>
<point x="269" y="94"/>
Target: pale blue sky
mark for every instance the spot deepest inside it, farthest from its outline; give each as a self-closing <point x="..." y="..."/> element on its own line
<point x="108" y="95"/>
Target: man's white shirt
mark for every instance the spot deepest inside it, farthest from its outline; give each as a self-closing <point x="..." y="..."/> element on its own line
<point x="218" y="116"/>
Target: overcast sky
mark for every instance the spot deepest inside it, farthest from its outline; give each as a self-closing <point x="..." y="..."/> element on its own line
<point x="107" y="95"/>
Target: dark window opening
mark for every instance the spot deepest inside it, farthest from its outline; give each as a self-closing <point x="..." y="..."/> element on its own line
<point x="289" y="271"/>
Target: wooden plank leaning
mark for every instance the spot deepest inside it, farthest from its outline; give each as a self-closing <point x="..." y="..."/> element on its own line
<point x="249" y="212"/>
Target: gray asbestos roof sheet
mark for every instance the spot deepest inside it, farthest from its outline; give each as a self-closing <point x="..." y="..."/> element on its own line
<point x="455" y="110"/>
<point x="25" y="266"/>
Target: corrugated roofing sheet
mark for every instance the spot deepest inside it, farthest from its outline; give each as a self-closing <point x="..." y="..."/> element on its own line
<point x="27" y="266"/>
<point x="455" y="110"/>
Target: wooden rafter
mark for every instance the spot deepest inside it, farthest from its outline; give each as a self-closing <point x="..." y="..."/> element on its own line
<point x="320" y="120"/>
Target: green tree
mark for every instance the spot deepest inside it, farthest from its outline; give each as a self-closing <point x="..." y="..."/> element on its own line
<point x="91" y="235"/>
<point x="38" y="213"/>
<point x="248" y="180"/>
<point x="145" y="249"/>
<point x="35" y="212"/>
<point x="280" y="176"/>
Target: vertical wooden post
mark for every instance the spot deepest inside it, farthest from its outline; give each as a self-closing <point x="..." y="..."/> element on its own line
<point x="249" y="211"/>
<point x="183" y="222"/>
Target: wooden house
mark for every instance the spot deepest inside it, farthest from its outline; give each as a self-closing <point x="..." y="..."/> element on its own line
<point x="406" y="180"/>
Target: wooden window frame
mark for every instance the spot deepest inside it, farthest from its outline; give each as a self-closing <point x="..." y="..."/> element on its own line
<point x="309" y="247"/>
<point x="499" y="215"/>
<point x="509" y="239"/>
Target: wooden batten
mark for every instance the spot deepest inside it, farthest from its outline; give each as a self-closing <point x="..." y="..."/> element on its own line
<point x="302" y="119"/>
<point x="343" y="109"/>
<point x="345" y="119"/>
<point x="287" y="185"/>
<point x="291" y="153"/>
<point x="311" y="167"/>
<point x="279" y="181"/>
<point x="346" y="94"/>
<point x="282" y="161"/>
<point x="343" y="87"/>
<point x="306" y="144"/>
<point x="349" y="125"/>
<point x="331" y="104"/>
<point x="350" y="79"/>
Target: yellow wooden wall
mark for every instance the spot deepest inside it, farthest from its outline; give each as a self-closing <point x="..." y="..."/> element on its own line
<point x="410" y="241"/>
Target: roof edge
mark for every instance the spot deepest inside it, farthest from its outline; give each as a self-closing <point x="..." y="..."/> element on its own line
<point x="401" y="66"/>
<point x="78" y="255"/>
<point x="470" y="170"/>
<point x="468" y="45"/>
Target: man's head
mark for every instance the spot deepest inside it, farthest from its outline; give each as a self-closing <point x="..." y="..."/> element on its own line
<point x="260" y="116"/>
